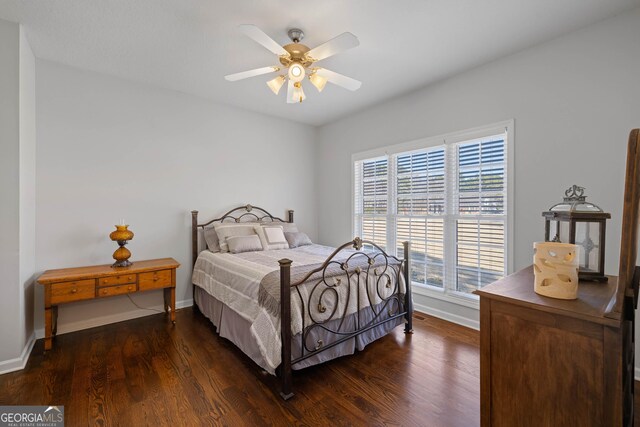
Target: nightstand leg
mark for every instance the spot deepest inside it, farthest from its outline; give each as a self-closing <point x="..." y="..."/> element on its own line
<point x="54" y="332"/>
<point x="170" y="302"/>
<point x="48" y="324"/>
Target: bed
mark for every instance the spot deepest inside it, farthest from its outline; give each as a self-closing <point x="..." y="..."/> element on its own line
<point x="292" y="307"/>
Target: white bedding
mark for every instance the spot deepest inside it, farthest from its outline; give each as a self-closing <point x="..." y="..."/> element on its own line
<point x="234" y="279"/>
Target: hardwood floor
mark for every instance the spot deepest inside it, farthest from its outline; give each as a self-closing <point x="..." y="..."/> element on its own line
<point x="148" y="372"/>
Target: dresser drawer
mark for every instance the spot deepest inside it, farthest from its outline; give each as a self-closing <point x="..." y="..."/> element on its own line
<point x="73" y="291"/>
<point x="154" y="280"/>
<point x="108" y="291"/>
<point x="120" y="279"/>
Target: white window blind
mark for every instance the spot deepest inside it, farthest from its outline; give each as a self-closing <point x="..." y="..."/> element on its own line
<point x="371" y="200"/>
<point x="449" y="199"/>
<point x="479" y="203"/>
<point x="420" y="195"/>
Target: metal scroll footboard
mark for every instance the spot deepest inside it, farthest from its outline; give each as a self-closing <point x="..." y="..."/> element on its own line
<point x="372" y="275"/>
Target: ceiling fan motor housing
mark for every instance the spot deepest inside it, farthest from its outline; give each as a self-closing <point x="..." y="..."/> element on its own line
<point x="297" y="53"/>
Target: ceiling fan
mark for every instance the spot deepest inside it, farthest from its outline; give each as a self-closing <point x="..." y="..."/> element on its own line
<point x="297" y="61"/>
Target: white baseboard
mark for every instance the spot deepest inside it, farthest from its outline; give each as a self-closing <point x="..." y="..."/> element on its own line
<point x="112" y="318"/>
<point x="449" y="317"/>
<point x="636" y="374"/>
<point x="20" y="362"/>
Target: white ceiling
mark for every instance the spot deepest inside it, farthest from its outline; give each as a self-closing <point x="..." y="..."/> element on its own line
<point x="189" y="45"/>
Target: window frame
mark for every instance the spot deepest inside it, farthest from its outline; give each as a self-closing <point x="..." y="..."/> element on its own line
<point x="447" y="292"/>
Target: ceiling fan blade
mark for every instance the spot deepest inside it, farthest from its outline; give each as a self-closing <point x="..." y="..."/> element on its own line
<point x="339" y="79"/>
<point x="290" y="89"/>
<point x="260" y="37"/>
<point x="334" y="46"/>
<point x="251" y="73"/>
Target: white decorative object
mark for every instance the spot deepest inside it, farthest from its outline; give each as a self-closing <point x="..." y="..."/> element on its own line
<point x="555" y="266"/>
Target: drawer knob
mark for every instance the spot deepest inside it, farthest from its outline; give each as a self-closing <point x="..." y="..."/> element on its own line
<point x="155" y="279"/>
<point x="74" y="290"/>
<point x="106" y="280"/>
<point x="105" y="292"/>
<point x="130" y="277"/>
<point x="129" y="288"/>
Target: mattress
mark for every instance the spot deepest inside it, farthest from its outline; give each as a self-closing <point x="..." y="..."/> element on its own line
<point x="235" y="281"/>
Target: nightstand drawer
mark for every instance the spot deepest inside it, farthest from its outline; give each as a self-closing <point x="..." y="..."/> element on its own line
<point x="108" y="291"/>
<point x="154" y="280"/>
<point x="117" y="280"/>
<point x="73" y="291"/>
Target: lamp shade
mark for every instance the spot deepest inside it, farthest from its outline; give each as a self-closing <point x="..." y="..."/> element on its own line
<point x="276" y="84"/>
<point x="318" y="81"/>
<point x="121" y="233"/>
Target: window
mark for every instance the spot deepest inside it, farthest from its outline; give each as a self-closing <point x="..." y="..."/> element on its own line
<point x="480" y="194"/>
<point x="449" y="197"/>
<point x="420" y="200"/>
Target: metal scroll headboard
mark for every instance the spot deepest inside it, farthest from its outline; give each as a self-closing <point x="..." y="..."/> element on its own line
<point x="246" y="213"/>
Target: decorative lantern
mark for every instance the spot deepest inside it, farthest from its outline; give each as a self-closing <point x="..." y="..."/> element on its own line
<point x="577" y="221"/>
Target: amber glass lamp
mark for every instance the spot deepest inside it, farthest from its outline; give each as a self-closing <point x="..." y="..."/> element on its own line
<point x="122" y="235"/>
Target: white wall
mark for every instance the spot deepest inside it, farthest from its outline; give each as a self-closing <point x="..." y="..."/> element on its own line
<point x="17" y="196"/>
<point x="110" y="149"/>
<point x="9" y="191"/>
<point x="27" y="185"/>
<point x="574" y="101"/>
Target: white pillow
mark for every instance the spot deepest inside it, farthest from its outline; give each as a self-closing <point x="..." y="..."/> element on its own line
<point x="287" y="227"/>
<point x="238" y="244"/>
<point x="272" y="237"/>
<point x="224" y="230"/>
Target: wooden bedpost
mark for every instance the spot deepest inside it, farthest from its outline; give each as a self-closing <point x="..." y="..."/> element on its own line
<point x="285" y="326"/>
<point x="408" y="301"/>
<point x="290" y="215"/>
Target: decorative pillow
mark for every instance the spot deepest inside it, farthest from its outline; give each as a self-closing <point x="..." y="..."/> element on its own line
<point x="238" y="244"/>
<point x="296" y="239"/>
<point x="272" y="237"/>
<point x="211" y="237"/>
<point x="225" y="230"/>
<point x="287" y="227"/>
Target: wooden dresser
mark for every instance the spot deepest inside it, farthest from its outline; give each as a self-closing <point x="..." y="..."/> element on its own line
<point x="551" y="362"/>
<point x="84" y="283"/>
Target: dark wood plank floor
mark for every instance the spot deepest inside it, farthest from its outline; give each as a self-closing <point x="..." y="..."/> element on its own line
<point x="147" y="372"/>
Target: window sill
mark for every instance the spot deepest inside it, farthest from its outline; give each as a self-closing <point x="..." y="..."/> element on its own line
<point x="453" y="298"/>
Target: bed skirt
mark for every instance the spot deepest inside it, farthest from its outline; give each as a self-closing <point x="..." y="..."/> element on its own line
<point x="230" y="325"/>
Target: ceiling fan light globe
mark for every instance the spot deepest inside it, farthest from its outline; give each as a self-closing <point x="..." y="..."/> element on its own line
<point x="318" y="81"/>
<point x="276" y="84"/>
<point x="296" y="72"/>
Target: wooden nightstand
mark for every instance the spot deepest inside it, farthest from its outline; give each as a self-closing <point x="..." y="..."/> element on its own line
<point x="84" y="283"/>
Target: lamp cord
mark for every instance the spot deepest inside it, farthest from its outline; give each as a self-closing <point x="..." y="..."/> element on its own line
<point x="143" y="308"/>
